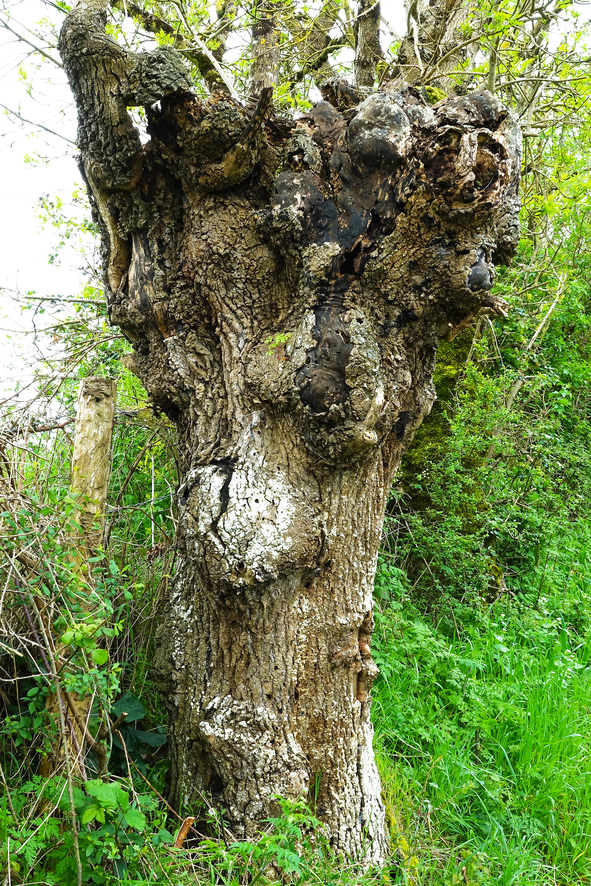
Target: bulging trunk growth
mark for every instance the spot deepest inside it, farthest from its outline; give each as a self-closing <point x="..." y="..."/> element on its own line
<point x="285" y="284"/>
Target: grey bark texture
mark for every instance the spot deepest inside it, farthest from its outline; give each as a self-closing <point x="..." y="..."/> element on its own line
<point x="266" y="38"/>
<point x="285" y="284"/>
<point x="368" y="51"/>
<point x="434" y="46"/>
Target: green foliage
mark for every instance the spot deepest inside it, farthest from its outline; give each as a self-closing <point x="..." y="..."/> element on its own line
<point x="292" y="850"/>
<point x="131" y="742"/>
<point x="58" y="580"/>
<point x="483" y="632"/>
<point x="117" y="826"/>
<point x="276" y="344"/>
<point x="494" y="480"/>
<point x="124" y="837"/>
<point x="483" y="710"/>
<point x="64" y="218"/>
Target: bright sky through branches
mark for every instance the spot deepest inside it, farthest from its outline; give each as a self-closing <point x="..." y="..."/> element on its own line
<point x="25" y="247"/>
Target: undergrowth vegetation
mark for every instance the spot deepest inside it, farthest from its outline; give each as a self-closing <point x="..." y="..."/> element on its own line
<point x="483" y="638"/>
<point x="482" y="716"/>
<point x="483" y="632"/>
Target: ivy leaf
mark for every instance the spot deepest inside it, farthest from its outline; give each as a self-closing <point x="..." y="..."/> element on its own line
<point x="131" y="704"/>
<point x="152" y="739"/>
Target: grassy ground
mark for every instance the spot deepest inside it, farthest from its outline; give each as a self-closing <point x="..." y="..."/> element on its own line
<point x="484" y="747"/>
<point x="483" y="725"/>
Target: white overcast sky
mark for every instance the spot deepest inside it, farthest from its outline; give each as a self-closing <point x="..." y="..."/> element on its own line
<point x="24" y="248"/>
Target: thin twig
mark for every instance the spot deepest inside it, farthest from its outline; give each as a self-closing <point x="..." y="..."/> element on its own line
<point x="522" y="379"/>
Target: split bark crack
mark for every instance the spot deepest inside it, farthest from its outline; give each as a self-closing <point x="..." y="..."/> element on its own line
<point x="284" y="284"/>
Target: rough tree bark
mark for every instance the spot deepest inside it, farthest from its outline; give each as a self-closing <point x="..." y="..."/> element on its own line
<point x="434" y="44"/>
<point x="265" y="49"/>
<point x="284" y="284"/>
<point x="368" y="51"/>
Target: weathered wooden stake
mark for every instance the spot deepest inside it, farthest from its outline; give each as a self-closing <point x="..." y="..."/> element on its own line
<point x="91" y="459"/>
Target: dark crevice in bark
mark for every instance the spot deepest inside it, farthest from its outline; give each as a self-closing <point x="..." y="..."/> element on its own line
<point x="228" y="468"/>
<point x="322" y="380"/>
<point x="167" y="408"/>
<point x="216" y="784"/>
<point x="400" y="424"/>
<point x="404" y="318"/>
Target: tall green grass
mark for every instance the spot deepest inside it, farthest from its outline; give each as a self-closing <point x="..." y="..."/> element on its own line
<point x="483" y="720"/>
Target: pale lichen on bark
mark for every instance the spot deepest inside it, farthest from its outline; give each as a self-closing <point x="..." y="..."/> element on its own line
<point x="356" y="239"/>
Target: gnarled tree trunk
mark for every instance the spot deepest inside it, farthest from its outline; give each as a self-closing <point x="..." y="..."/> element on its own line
<point x="285" y="285"/>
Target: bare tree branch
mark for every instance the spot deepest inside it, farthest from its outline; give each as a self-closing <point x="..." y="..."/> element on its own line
<point x="23" y="39"/>
<point x="368" y="51"/>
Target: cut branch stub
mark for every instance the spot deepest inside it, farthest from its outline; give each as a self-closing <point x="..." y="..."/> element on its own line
<point x="286" y="286"/>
